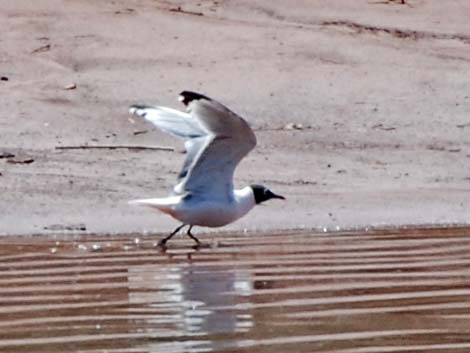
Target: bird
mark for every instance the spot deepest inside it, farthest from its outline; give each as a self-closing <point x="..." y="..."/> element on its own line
<point x="216" y="140"/>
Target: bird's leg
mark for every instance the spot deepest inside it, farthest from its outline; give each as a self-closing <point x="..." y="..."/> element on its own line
<point x="189" y="234"/>
<point x="164" y="240"/>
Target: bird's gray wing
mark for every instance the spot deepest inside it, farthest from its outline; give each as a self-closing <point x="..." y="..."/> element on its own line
<point x="169" y="120"/>
<point x="179" y="124"/>
<point x="210" y="171"/>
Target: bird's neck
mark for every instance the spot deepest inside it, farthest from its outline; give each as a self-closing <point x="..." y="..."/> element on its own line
<point x="245" y="200"/>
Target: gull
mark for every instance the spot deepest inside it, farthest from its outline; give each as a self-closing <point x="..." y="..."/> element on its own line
<point x="216" y="140"/>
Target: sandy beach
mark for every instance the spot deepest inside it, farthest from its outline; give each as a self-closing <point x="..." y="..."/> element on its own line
<point x="362" y="109"/>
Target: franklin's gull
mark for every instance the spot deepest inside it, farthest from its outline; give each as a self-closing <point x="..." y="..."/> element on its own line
<point x="216" y="141"/>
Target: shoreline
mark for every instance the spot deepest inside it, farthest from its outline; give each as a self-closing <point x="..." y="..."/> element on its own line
<point x="373" y="230"/>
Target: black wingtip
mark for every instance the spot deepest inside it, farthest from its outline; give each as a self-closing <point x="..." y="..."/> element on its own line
<point x="139" y="106"/>
<point x="187" y="97"/>
<point x="138" y="109"/>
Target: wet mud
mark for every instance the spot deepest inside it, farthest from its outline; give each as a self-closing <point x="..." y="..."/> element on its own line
<point x="387" y="291"/>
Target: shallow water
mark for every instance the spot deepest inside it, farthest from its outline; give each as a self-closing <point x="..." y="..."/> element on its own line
<point x="392" y="291"/>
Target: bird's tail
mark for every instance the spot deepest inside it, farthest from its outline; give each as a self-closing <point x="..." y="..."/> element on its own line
<point x="164" y="205"/>
<point x="147" y="202"/>
<point x="136" y="203"/>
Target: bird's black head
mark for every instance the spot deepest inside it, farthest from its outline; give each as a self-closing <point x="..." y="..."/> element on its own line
<point x="263" y="194"/>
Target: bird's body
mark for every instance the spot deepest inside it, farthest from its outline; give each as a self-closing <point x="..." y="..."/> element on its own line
<point x="216" y="140"/>
<point x="201" y="211"/>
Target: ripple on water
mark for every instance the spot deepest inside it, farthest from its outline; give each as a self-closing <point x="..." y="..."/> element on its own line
<point x="384" y="291"/>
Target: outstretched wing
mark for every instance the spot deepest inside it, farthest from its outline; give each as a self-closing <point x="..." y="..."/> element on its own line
<point x="229" y="140"/>
<point x="176" y="123"/>
<point x="216" y="141"/>
<point x="169" y="120"/>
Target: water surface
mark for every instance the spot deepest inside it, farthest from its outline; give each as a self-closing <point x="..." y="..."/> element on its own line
<point x="388" y="291"/>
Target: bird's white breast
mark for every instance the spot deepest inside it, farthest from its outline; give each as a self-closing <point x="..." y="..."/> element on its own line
<point x="215" y="213"/>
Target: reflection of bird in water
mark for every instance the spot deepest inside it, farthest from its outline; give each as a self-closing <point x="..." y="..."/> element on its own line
<point x="216" y="141"/>
<point x="214" y="292"/>
<point x="196" y="299"/>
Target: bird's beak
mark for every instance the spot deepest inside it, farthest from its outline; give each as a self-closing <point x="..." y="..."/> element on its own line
<point x="278" y="197"/>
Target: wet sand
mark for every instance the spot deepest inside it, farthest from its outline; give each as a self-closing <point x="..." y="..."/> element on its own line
<point x="387" y="291"/>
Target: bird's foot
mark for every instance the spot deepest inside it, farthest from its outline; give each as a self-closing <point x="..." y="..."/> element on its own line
<point x="198" y="243"/>
<point x="162" y="243"/>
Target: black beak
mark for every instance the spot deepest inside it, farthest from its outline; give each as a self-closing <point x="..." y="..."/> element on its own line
<point x="274" y="196"/>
